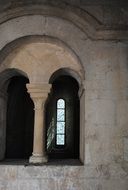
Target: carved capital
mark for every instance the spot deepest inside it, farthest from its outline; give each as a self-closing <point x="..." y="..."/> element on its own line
<point x="39" y="93"/>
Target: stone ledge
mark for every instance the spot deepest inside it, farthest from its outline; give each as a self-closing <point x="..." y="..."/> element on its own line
<point x="105" y="172"/>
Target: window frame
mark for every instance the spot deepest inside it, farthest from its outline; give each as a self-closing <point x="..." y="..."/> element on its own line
<point x="57" y="145"/>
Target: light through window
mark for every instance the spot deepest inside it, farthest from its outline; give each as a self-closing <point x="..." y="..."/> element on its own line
<point x="60" y="125"/>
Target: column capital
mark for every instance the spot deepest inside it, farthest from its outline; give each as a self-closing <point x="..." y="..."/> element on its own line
<point x="38" y="90"/>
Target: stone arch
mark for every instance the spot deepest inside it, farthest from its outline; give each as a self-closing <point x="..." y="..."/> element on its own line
<point x="7" y="74"/>
<point x="39" y="57"/>
<point x="66" y="71"/>
<point x="83" y="20"/>
<point x="5" y="78"/>
<point x="26" y="40"/>
<point x="47" y="53"/>
<point x="65" y="87"/>
<point x="40" y="25"/>
<point x="81" y="93"/>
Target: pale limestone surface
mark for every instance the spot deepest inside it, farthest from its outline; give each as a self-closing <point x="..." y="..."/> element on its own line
<point x="102" y="177"/>
<point x="39" y="94"/>
<point x="101" y="68"/>
<point x="40" y="60"/>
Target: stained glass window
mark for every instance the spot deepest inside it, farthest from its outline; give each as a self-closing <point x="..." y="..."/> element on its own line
<point x="60" y="125"/>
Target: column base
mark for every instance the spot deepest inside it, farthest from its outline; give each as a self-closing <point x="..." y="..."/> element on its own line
<point x="38" y="159"/>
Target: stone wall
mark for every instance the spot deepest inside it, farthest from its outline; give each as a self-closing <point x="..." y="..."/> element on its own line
<point x="106" y="102"/>
<point x="104" y="93"/>
<point x="107" y="12"/>
<point x="100" y="177"/>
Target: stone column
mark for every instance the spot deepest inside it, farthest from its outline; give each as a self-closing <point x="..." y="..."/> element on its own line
<point x="39" y="94"/>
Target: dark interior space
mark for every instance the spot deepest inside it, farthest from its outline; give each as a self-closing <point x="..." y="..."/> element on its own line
<point x="66" y="88"/>
<point x="20" y="120"/>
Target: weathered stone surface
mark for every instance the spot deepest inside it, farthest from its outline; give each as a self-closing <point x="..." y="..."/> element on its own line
<point x="8" y="173"/>
<point x="63" y="177"/>
<point x="101" y="69"/>
<point x="125" y="148"/>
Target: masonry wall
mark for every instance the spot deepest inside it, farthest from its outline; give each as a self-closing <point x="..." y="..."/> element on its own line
<point x="104" y="108"/>
<point x="106" y="133"/>
<point x="106" y="101"/>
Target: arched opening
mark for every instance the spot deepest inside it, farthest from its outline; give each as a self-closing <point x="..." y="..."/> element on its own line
<point x="19" y="120"/>
<point x="65" y="61"/>
<point x="62" y="118"/>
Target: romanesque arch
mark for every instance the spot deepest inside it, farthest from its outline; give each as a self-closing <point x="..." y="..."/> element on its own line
<point x="5" y="78"/>
<point x="39" y="58"/>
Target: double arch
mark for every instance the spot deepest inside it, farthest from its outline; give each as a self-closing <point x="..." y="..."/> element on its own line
<point x="37" y="58"/>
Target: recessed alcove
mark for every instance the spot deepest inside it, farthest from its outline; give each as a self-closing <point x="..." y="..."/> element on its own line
<point x="62" y="119"/>
<point x="19" y="120"/>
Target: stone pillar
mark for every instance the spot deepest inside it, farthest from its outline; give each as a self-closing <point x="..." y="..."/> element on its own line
<point x="39" y="94"/>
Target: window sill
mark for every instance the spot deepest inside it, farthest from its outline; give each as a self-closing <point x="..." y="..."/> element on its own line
<point x="51" y="162"/>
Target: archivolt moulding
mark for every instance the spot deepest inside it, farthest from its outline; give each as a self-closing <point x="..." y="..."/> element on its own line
<point x="94" y="29"/>
<point x="39" y="57"/>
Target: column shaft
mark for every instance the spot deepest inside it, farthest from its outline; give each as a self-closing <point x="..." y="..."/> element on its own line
<point x="39" y="95"/>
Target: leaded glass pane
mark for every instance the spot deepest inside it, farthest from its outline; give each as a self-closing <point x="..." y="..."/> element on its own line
<point x="60" y="140"/>
<point x="60" y="127"/>
<point x="60" y="114"/>
<point x="60" y="103"/>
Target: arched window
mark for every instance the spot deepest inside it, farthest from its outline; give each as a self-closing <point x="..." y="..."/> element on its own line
<point x="20" y="120"/>
<point x="60" y="124"/>
<point x="62" y="118"/>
